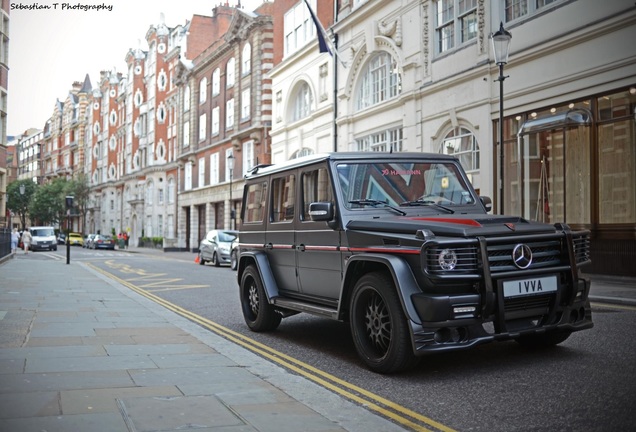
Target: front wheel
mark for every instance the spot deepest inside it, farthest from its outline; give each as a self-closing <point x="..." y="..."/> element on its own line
<point x="259" y="315"/>
<point x="543" y="340"/>
<point x="215" y="260"/>
<point x="233" y="260"/>
<point x="201" y="260"/>
<point x="379" y="326"/>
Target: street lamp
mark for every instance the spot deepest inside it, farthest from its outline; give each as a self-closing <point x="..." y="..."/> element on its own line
<point x="230" y="164"/>
<point x="501" y="47"/>
<point x="22" y="190"/>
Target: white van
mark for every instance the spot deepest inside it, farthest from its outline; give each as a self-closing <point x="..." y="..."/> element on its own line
<point x="43" y="238"/>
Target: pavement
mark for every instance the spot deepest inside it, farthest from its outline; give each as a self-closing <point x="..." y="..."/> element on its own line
<point x="86" y="353"/>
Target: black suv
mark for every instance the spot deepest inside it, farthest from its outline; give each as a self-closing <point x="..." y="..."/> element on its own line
<point x="400" y="246"/>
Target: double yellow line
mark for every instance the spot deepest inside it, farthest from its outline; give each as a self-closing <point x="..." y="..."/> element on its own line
<point x="397" y="413"/>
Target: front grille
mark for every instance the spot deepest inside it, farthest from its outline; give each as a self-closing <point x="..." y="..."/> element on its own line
<point x="582" y="248"/>
<point x="527" y="306"/>
<point x="544" y="254"/>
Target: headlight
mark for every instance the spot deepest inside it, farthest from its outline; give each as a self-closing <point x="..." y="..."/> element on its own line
<point x="447" y="259"/>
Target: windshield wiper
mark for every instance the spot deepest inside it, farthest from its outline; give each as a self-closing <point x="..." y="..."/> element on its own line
<point x="427" y="203"/>
<point x="374" y="203"/>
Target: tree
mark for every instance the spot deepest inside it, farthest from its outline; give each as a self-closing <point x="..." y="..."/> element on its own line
<point x="19" y="196"/>
<point x="80" y="190"/>
<point x="48" y="205"/>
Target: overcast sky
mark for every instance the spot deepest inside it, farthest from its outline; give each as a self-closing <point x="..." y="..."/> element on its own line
<point x="51" y="48"/>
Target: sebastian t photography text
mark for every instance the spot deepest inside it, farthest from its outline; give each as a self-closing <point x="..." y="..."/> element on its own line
<point x="62" y="6"/>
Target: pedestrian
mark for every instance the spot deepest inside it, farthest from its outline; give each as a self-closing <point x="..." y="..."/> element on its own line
<point x="15" y="239"/>
<point x="26" y="240"/>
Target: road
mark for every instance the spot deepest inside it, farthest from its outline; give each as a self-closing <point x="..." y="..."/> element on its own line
<point x="588" y="383"/>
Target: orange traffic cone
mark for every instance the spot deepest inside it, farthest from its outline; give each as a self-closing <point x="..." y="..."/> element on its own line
<point x="197" y="260"/>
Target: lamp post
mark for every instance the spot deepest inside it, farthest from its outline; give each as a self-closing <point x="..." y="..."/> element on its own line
<point x="230" y="164"/>
<point x="69" y="206"/>
<point x="501" y="46"/>
<point x="22" y="190"/>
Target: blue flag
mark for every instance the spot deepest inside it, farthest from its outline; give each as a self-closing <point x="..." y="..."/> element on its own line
<point x="322" y="35"/>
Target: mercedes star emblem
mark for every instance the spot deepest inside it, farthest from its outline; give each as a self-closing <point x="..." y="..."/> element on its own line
<point x="522" y="256"/>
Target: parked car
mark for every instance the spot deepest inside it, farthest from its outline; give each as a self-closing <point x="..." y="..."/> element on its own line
<point x="215" y="247"/>
<point x="61" y="238"/>
<point x="88" y="240"/>
<point x="43" y="238"/>
<point x="75" y="239"/>
<point x="234" y="253"/>
<point x="102" y="242"/>
<point x="401" y="247"/>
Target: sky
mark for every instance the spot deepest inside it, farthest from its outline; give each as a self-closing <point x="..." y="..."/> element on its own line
<point x="54" y="44"/>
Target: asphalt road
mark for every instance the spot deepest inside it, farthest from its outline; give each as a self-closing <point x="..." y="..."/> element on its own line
<point x="588" y="383"/>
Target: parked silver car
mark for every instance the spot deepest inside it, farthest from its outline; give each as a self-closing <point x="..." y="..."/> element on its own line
<point x="216" y="247"/>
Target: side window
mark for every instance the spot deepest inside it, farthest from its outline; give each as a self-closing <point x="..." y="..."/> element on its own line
<point x="283" y="198"/>
<point x="255" y="203"/>
<point x="316" y="187"/>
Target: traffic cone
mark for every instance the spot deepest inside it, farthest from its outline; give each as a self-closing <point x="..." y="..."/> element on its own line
<point x="197" y="260"/>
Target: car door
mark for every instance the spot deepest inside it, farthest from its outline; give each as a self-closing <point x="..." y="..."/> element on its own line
<point x="280" y="242"/>
<point x="318" y="253"/>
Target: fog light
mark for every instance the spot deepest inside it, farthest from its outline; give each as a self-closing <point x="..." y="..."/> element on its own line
<point x="447" y="259"/>
<point x="464" y="309"/>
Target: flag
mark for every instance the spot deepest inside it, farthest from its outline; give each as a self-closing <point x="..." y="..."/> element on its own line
<point x="322" y="34"/>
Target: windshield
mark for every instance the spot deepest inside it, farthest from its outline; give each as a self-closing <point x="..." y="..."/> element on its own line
<point x="403" y="184"/>
<point x="42" y="232"/>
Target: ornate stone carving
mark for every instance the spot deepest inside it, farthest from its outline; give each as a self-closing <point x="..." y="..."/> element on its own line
<point x="392" y="30"/>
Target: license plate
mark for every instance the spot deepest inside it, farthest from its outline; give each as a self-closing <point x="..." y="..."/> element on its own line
<point x="533" y="286"/>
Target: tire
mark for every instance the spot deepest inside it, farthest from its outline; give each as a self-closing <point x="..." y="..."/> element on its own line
<point x="215" y="260"/>
<point x="201" y="260"/>
<point x="259" y="315"/>
<point x="379" y="326"/>
<point x="233" y="260"/>
<point x="543" y="340"/>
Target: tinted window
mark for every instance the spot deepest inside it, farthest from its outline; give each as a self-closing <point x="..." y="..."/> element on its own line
<point x="283" y="198"/>
<point x="255" y="202"/>
<point x="316" y="188"/>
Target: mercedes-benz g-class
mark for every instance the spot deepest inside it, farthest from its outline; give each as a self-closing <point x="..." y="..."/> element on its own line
<point x="400" y="246"/>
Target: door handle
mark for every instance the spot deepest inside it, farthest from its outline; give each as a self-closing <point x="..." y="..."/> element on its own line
<point x="300" y="248"/>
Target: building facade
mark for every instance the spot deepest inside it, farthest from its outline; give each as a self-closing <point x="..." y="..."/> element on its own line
<point x="171" y="139"/>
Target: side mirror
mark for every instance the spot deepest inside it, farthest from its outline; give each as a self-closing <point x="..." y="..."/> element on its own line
<point x="487" y="202"/>
<point x="321" y="211"/>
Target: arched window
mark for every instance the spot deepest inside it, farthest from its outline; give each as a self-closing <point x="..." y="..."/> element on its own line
<point x="246" y="59"/>
<point x="203" y="87"/>
<point x="380" y="81"/>
<point x="461" y="143"/>
<point x="186" y="99"/>
<point x="229" y="73"/>
<point x="302" y="102"/>
<point x="216" y="82"/>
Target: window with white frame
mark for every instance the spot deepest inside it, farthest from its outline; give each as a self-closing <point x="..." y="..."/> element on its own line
<point x="245" y="104"/>
<point x="462" y="143"/>
<point x="246" y="59"/>
<point x="160" y="196"/>
<point x="303" y="102"/>
<point x="214" y="168"/>
<point x="383" y="141"/>
<point x="230" y="73"/>
<point x="380" y="81"/>
<point x="201" y="172"/>
<point x="216" y="82"/>
<point x="186" y="99"/>
<point x="514" y="9"/>
<point x="170" y="233"/>
<point x="215" y="120"/>
<point x="203" y="90"/>
<point x="248" y="156"/>
<point x="187" y="176"/>
<point x="455" y="23"/>
<point x="229" y="114"/>
<point x="203" y="126"/>
<point x="299" y="27"/>
<point x="186" y="134"/>
<point x="171" y="191"/>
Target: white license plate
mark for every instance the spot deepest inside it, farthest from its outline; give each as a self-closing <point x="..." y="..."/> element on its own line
<point x="523" y="287"/>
